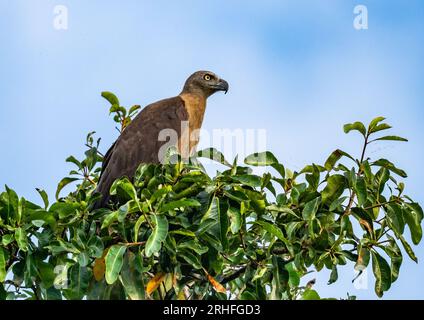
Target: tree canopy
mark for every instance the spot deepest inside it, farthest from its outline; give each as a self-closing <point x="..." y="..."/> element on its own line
<point x="175" y="232"/>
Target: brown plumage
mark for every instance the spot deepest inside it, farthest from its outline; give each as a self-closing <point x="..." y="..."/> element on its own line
<point x="141" y="141"/>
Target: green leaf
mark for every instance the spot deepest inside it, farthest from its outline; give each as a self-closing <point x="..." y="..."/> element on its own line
<point x="46" y="273"/>
<point x="223" y="222"/>
<point x="124" y="188"/>
<point x="3" y="270"/>
<point x="190" y="258"/>
<point x="310" y="294"/>
<point x="95" y="246"/>
<point x="44" y="216"/>
<point x="375" y="122"/>
<point x="73" y="160"/>
<point x="250" y="180"/>
<point x="382" y="273"/>
<point x="114" y="261"/>
<point x="294" y="278"/>
<point x="194" y="246"/>
<point x="413" y="220"/>
<point x="64" y="209"/>
<point x="159" y="233"/>
<point x="137" y="226"/>
<point x="183" y="232"/>
<point x="63" y="183"/>
<point x="360" y="189"/>
<point x="213" y="154"/>
<point x="332" y="159"/>
<point x="109" y="96"/>
<point x="393" y="251"/>
<point x="131" y="278"/>
<point x="380" y="127"/>
<point x="334" y="188"/>
<point x="275" y="231"/>
<point x="310" y="209"/>
<point x="235" y="219"/>
<point x="365" y="166"/>
<point x="7" y="239"/>
<point x="357" y="126"/>
<point x="390" y="166"/>
<point x="133" y="109"/>
<point x="22" y="239"/>
<point x="12" y="203"/>
<point x="375" y="125"/>
<point x="334" y="275"/>
<point x="382" y="176"/>
<point x="265" y="159"/>
<point x="417" y="209"/>
<point x="391" y="138"/>
<point x="59" y="246"/>
<point x="44" y="196"/>
<point x="183" y="203"/>
<point x="394" y="215"/>
<point x="123" y="211"/>
<point x="79" y="279"/>
<point x="408" y="249"/>
<point x="337" y="203"/>
<point x="109" y="219"/>
<point x="277" y="278"/>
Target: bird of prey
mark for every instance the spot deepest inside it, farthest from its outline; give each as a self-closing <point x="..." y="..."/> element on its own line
<point x="170" y="122"/>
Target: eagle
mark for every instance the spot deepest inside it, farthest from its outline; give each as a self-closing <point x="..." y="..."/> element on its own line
<point x="173" y="122"/>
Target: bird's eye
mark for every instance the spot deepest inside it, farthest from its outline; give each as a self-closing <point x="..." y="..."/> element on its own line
<point x="207" y="77"/>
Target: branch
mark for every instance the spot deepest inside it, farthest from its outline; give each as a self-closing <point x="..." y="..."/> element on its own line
<point x="234" y="275"/>
<point x="381" y="204"/>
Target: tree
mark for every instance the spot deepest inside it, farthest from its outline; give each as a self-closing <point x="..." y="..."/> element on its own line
<point x="175" y="232"/>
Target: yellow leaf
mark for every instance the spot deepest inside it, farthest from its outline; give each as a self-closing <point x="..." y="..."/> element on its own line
<point x="99" y="267"/>
<point x="155" y="282"/>
<point x="181" y="295"/>
<point x="216" y="285"/>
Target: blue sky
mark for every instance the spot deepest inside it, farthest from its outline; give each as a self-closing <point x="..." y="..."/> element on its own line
<point x="296" y="68"/>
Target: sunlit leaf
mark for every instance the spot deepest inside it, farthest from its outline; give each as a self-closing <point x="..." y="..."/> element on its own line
<point x="63" y="183"/>
<point x="382" y="273"/>
<point x="391" y="138"/>
<point x="334" y="188"/>
<point x="357" y="126"/>
<point x="114" y="262"/>
<point x="155" y="282"/>
<point x="109" y="96"/>
<point x="158" y="235"/>
<point x="310" y="294"/>
<point x="2" y="265"/>
<point x="265" y="159"/>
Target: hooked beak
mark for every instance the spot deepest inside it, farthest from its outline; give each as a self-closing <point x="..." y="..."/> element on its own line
<point x="222" y="86"/>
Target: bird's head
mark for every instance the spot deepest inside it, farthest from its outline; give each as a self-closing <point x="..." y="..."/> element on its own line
<point x="205" y="83"/>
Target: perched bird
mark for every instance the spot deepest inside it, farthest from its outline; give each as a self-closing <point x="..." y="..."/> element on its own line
<point x="165" y="123"/>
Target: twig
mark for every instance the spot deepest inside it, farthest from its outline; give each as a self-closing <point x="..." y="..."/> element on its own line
<point x="129" y="244"/>
<point x="234" y="275"/>
<point x="380" y="204"/>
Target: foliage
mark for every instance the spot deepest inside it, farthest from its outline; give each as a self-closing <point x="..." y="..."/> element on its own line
<point x="174" y="232"/>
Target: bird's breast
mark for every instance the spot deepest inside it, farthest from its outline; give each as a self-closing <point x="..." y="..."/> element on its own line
<point x="195" y="106"/>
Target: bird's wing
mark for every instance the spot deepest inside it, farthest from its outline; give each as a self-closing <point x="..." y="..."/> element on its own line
<point x="139" y="142"/>
<point x="106" y="158"/>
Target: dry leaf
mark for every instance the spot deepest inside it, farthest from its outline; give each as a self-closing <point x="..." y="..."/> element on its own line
<point x="216" y="285"/>
<point x="99" y="267"/>
<point x="366" y="225"/>
<point x="155" y="282"/>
